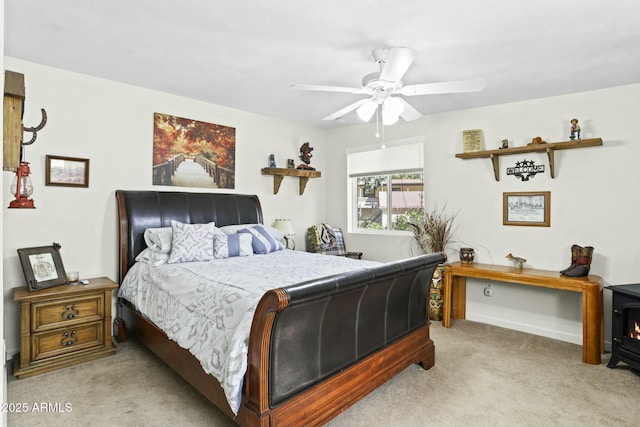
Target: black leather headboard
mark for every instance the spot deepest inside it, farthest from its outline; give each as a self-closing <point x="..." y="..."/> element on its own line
<point x="139" y="210"/>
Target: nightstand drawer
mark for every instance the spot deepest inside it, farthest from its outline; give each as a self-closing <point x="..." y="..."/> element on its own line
<point x="50" y="344"/>
<point x="49" y="315"/>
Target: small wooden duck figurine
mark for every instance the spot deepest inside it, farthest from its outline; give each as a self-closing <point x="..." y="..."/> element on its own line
<point x="517" y="261"/>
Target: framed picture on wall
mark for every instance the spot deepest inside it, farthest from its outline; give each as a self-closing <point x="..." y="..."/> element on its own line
<point x="191" y="153"/>
<point x="42" y="267"/>
<point x="66" y="171"/>
<point x="532" y="208"/>
<point x="472" y="140"/>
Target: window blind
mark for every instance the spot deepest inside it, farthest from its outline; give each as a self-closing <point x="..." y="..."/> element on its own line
<point x="397" y="156"/>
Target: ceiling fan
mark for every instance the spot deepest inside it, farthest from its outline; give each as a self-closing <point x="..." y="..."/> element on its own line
<point x="381" y="86"/>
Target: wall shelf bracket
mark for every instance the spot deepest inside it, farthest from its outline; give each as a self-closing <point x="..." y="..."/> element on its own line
<point x="550" y="153"/>
<point x="495" y="161"/>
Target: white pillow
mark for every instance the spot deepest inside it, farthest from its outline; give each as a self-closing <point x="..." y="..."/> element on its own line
<point x="159" y="239"/>
<point x="191" y="242"/>
<point x="152" y="257"/>
<point x="232" y="229"/>
<point x="226" y="246"/>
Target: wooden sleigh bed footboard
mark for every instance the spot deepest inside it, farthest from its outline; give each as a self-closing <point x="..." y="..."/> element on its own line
<point x="315" y="348"/>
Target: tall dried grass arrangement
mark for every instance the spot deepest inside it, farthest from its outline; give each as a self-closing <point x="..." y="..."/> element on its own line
<point x="433" y="231"/>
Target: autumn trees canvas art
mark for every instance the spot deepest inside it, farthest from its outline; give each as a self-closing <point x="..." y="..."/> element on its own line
<point x="190" y="153"/>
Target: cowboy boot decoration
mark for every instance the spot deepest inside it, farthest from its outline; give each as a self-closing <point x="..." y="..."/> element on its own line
<point x="582" y="263"/>
<point x="574" y="256"/>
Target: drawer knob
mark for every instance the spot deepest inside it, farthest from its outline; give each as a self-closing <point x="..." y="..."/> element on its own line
<point x="69" y="339"/>
<point x="70" y="311"/>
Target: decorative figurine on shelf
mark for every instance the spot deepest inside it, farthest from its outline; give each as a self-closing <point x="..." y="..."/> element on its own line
<point x="305" y="156"/>
<point x="580" y="261"/>
<point x="272" y="160"/>
<point x="517" y="261"/>
<point x="505" y="143"/>
<point x="537" y="141"/>
<point x="575" y="130"/>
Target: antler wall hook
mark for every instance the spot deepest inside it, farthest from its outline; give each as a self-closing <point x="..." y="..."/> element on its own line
<point x="35" y="129"/>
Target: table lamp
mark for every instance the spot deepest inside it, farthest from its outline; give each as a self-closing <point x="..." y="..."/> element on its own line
<point x="286" y="227"/>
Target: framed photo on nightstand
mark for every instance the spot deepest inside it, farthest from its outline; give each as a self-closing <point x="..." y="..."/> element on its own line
<point x="42" y="267"/>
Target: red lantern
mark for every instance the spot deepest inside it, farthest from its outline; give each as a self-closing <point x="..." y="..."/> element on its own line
<point x="22" y="188"/>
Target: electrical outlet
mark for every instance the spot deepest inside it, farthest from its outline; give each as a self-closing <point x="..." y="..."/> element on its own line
<point x="488" y="290"/>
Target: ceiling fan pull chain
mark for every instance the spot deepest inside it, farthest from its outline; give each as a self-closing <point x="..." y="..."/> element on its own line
<point x="378" y="122"/>
<point x="382" y="146"/>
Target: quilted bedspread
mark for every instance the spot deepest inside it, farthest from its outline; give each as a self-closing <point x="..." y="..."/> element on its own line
<point x="208" y="307"/>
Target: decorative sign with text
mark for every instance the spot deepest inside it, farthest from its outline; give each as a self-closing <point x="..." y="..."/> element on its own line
<point x="472" y="140"/>
<point x="525" y="169"/>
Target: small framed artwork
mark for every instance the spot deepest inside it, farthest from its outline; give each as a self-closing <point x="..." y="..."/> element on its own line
<point x="66" y="171"/>
<point x="531" y="208"/>
<point x="472" y="140"/>
<point x="42" y="267"/>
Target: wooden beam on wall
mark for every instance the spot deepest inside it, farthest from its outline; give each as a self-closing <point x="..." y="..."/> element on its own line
<point x="14" y="95"/>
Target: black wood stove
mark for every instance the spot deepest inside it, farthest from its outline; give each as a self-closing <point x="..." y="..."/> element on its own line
<point x="625" y="324"/>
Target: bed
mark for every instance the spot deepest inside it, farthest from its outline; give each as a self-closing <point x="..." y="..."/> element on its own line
<point x="314" y="347"/>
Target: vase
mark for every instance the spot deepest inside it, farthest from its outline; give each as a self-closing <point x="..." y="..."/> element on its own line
<point x="466" y="255"/>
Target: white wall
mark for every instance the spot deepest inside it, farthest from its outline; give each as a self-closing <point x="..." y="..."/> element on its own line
<point x="112" y="125"/>
<point x="593" y="199"/>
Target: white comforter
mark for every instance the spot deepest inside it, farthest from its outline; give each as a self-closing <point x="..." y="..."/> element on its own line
<point x="207" y="307"/>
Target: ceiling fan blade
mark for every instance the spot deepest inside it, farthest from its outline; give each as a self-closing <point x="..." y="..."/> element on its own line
<point x="321" y="88"/>
<point x="457" y="86"/>
<point x="397" y="64"/>
<point x="347" y="109"/>
<point x="409" y="112"/>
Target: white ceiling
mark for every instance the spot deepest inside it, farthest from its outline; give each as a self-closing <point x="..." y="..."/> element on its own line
<point x="245" y="53"/>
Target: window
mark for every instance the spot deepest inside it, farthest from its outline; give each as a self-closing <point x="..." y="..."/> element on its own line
<point x="386" y="186"/>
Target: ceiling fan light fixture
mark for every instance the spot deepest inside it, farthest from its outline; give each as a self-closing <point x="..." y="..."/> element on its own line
<point x="389" y="119"/>
<point x="393" y="106"/>
<point x="366" y="111"/>
<point x="391" y="111"/>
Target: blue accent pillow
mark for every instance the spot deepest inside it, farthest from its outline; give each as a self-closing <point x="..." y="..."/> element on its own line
<point x="226" y="246"/>
<point x="262" y="241"/>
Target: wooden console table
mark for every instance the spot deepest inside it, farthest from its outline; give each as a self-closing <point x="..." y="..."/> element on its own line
<point x="455" y="292"/>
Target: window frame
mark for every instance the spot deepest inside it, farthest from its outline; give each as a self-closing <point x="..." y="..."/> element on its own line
<point x="353" y="193"/>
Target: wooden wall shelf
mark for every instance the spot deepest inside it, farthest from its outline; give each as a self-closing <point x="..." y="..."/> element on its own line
<point x="280" y="173"/>
<point x="549" y="148"/>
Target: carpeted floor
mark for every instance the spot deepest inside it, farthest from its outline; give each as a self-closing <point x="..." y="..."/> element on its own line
<point x="484" y="376"/>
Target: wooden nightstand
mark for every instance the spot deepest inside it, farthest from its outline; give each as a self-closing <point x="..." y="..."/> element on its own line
<point x="63" y="326"/>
